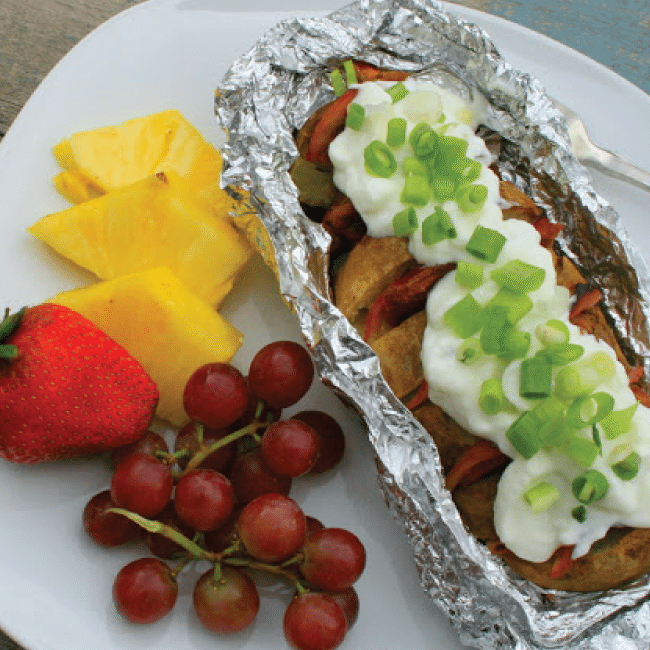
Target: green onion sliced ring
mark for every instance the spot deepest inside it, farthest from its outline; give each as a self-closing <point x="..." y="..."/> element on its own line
<point x="338" y="82"/>
<point x="405" y="223"/>
<point x="580" y="450"/>
<point x="590" y="486"/>
<point x="350" y="72"/>
<point x="541" y="496"/>
<point x="423" y="140"/>
<point x="397" y="91"/>
<point x="485" y="244"/>
<point x="587" y="411"/>
<point x="466" y="317"/>
<point x="416" y="191"/>
<point x="516" y="304"/>
<point x="579" y="513"/>
<point x="535" y="378"/>
<point x="443" y="188"/>
<point x="519" y="276"/>
<point x="553" y="332"/>
<point x="491" y="399"/>
<point x="379" y="160"/>
<point x="469" y="275"/>
<point x="523" y="434"/>
<point x="471" y="198"/>
<point x="355" y="117"/>
<point x="619" y="422"/>
<point x="396" y="132"/>
<point x="627" y="468"/>
<point x="560" y="354"/>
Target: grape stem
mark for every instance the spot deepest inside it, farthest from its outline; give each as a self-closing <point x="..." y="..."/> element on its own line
<point x="204" y="452"/>
<point x="275" y="569"/>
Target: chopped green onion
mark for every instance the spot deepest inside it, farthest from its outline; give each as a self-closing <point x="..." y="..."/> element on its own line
<point x="588" y="410"/>
<point x="590" y="486"/>
<point x="541" y="496"/>
<point x="519" y="276"/>
<point x="443" y="188"/>
<point x="553" y="431"/>
<point x="553" y="332"/>
<point x="517" y="304"/>
<point x="466" y="317"/>
<point x="379" y="160"/>
<point x="416" y="191"/>
<point x="469" y="351"/>
<point x="338" y="83"/>
<point x="500" y="338"/>
<point x="469" y="275"/>
<point x="471" y="170"/>
<point x="491" y="398"/>
<point x="350" y="72"/>
<point x="454" y="148"/>
<point x="581" y="451"/>
<point x="397" y="91"/>
<point x="583" y="376"/>
<point x="423" y="140"/>
<point x="471" y="198"/>
<point x="560" y="354"/>
<point x="523" y="434"/>
<point x="413" y="166"/>
<point x="405" y="223"/>
<point x="579" y="513"/>
<point x="485" y="244"/>
<point x="356" y="115"/>
<point x="535" y="378"/>
<point x="437" y="226"/>
<point x="396" y="132"/>
<point x="618" y="422"/>
<point x="627" y="468"/>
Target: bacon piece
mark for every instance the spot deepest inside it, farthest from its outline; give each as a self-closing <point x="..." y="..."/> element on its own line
<point x="478" y="461"/>
<point x="420" y="396"/>
<point x="585" y="302"/>
<point x="343" y="221"/>
<point x="547" y="230"/>
<point x="635" y="375"/>
<point x="405" y="295"/>
<point x="562" y="562"/>
<point x="330" y="124"/>
<point x="368" y="72"/>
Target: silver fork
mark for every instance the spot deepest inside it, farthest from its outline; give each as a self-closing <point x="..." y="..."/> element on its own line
<point x="590" y="154"/>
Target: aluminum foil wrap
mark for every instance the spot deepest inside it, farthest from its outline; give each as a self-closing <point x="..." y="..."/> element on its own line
<point x="263" y="100"/>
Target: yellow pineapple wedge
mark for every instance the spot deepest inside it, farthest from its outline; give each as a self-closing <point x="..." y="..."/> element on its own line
<point x="162" y="324"/>
<point x="154" y="222"/>
<point x="111" y="157"/>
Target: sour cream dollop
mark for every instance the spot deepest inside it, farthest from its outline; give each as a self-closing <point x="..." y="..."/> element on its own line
<point x="532" y="532"/>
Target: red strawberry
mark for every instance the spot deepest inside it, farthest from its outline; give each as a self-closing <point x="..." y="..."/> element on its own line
<point x="67" y="389"/>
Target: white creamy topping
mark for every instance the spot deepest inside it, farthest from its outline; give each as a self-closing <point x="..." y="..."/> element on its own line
<point x="455" y="385"/>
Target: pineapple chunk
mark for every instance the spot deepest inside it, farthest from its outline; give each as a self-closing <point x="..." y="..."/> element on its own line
<point x="111" y="157"/>
<point x="164" y="326"/>
<point x="155" y="222"/>
<point x="74" y="186"/>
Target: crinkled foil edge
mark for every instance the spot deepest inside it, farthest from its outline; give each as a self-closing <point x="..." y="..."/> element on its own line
<point x="266" y="95"/>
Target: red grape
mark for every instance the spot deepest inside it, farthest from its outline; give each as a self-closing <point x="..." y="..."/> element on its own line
<point x="333" y="559"/>
<point x="226" y="604"/>
<point x="290" y="448"/>
<point x="204" y="499"/>
<point x="108" y="529"/>
<point x="281" y="373"/>
<point x="348" y="599"/>
<point x="142" y="484"/>
<point x="330" y="434"/>
<point x="251" y="478"/>
<point x="162" y="546"/>
<point x="151" y="443"/>
<point x="272" y="527"/>
<point x="219" y="460"/>
<point x="216" y="395"/>
<point x="313" y="524"/>
<point x="145" y="590"/>
<point x="223" y="537"/>
<point x="267" y="414"/>
<point x="314" y="621"/>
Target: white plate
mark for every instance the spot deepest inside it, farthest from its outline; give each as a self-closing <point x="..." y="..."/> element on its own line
<point x="55" y="592"/>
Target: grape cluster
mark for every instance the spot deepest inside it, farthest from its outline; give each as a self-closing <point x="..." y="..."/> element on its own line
<point x="222" y="495"/>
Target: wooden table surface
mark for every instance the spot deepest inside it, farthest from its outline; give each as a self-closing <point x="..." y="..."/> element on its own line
<point x="35" y="34"/>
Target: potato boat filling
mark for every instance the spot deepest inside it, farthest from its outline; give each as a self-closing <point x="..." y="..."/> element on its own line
<point x="509" y="353"/>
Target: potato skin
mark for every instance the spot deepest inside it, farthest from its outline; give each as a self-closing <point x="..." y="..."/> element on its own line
<point x="371" y="265"/>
